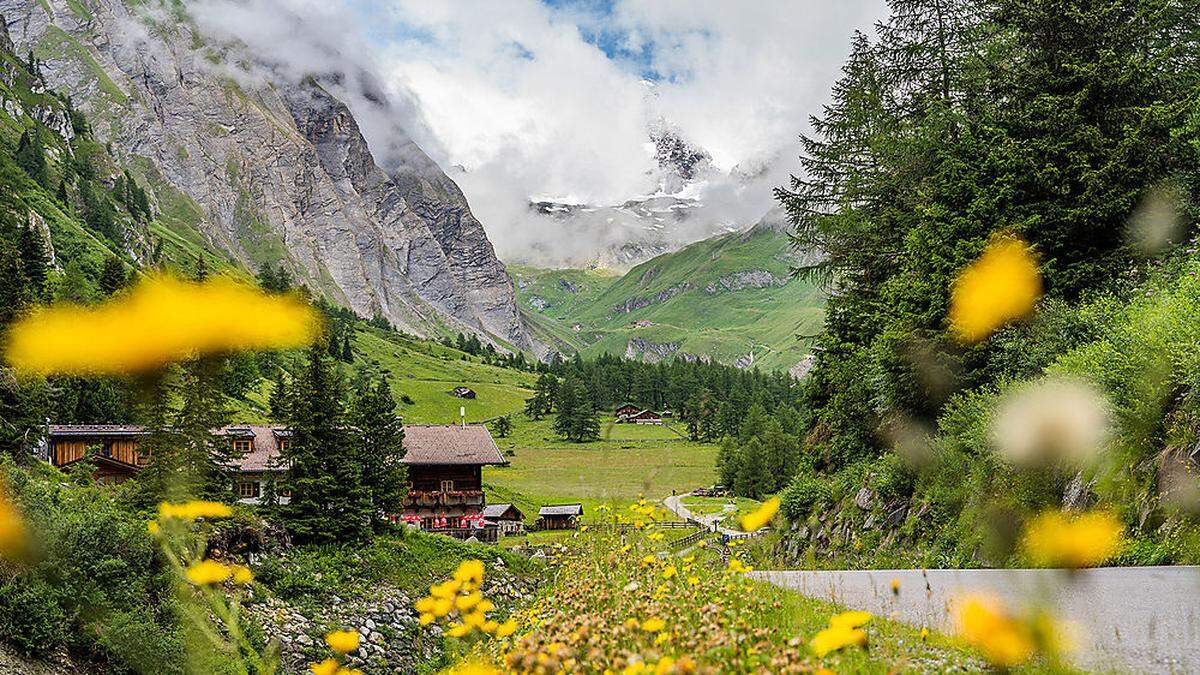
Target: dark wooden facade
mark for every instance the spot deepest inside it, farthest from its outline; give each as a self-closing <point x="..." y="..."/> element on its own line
<point x="441" y="495"/>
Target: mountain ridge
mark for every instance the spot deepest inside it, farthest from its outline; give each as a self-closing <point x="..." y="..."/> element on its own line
<point x="274" y="173"/>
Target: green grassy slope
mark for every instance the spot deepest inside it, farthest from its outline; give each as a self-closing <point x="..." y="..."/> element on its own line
<point x="700" y="300"/>
<point x="627" y="462"/>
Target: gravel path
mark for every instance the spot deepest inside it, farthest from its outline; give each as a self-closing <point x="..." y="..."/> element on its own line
<point x="1137" y="619"/>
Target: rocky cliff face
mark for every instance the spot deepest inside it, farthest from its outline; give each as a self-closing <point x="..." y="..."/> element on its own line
<point x="272" y="170"/>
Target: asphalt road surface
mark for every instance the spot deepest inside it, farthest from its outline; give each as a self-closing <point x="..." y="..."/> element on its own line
<point x="1131" y="619"/>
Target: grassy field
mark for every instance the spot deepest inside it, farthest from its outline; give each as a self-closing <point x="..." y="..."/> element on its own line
<point x="704" y="506"/>
<point x="426" y="372"/>
<point x="628" y="462"/>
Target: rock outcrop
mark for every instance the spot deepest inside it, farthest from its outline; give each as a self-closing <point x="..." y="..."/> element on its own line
<point x="273" y="170"/>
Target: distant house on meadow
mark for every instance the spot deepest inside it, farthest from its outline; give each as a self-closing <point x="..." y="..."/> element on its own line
<point x="644" y="417"/>
<point x="667" y="414"/>
<point x="625" y="410"/>
<point x="560" y="516"/>
<point x="463" y="392"/>
<point x="505" y="517"/>
<point x="445" y="475"/>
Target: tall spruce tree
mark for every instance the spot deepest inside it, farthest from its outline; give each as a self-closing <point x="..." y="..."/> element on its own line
<point x="329" y="502"/>
<point x="34" y="260"/>
<point x="31" y="156"/>
<point x="576" y="420"/>
<point x="379" y="441"/>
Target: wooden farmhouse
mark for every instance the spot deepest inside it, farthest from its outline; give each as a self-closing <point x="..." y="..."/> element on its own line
<point x="560" y="516"/>
<point x="445" y="464"/>
<point x="625" y="410"/>
<point x="507" y="518"/>
<point x="445" y="474"/>
<point x="644" y="417"/>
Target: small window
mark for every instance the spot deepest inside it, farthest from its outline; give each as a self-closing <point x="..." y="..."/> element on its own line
<point x="248" y="489"/>
<point x="447" y="486"/>
<point x="241" y="446"/>
<point x="284" y="444"/>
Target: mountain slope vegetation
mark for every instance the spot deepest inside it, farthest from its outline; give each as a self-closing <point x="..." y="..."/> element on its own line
<point x="729" y="298"/>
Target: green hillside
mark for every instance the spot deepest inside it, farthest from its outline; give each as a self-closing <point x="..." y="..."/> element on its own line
<point x="724" y="298"/>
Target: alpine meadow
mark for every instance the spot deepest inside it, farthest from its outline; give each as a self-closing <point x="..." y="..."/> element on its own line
<point x="557" y="336"/>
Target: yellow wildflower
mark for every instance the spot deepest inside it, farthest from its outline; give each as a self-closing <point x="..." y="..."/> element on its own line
<point x="924" y="634"/>
<point x="473" y="668"/>
<point x="895" y="587"/>
<point x="507" y="628"/>
<point x="703" y="543"/>
<point x="836" y="637"/>
<point x="207" y="572"/>
<point x="1000" y="286"/>
<point x="693" y="581"/>
<point x="470" y="571"/>
<point x="669" y="571"/>
<point x="193" y="510"/>
<point x="665" y="665"/>
<point x="161" y="320"/>
<point x="648" y="559"/>
<point x="342" y="641"/>
<point x="459" y="630"/>
<point x="851" y="619"/>
<point x="12" y="527"/>
<point x="466" y="602"/>
<point x="983" y="622"/>
<point x="761" y="516"/>
<point x="485" y="605"/>
<point x="426" y="618"/>
<point x="326" y="667"/>
<point x="583" y="529"/>
<point x="1055" y="540"/>
<point x="242" y="575"/>
<point x="653" y="625"/>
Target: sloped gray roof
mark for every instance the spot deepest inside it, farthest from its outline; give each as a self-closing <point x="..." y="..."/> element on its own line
<point x="497" y="510"/>
<point x="561" y="510"/>
<point x="450" y="444"/>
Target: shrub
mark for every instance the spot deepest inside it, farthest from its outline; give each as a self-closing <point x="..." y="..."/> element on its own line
<point x="30" y="616"/>
<point x="894" y="477"/>
<point x="802" y="494"/>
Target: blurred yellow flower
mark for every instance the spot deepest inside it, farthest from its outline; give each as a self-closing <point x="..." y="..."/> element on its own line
<point x="473" y="668"/>
<point x="426" y="618"/>
<point x="693" y="581"/>
<point x="982" y="621"/>
<point x="459" y="630"/>
<point x="669" y="571"/>
<point x="342" y="641"/>
<point x="836" y="637"/>
<point x="12" y="527"/>
<point x="161" y="320"/>
<point x="242" y="575"/>
<point x="326" y="667"/>
<point x="152" y="526"/>
<point x="1054" y="539"/>
<point x="760" y="516"/>
<point x="207" y="572"/>
<point x="470" y="571"/>
<point x="193" y="510"/>
<point x="653" y="625"/>
<point x="1002" y="285"/>
<point x="851" y="619"/>
<point x="895" y="586"/>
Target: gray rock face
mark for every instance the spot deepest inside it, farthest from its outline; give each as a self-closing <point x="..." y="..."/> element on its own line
<point x="274" y="171"/>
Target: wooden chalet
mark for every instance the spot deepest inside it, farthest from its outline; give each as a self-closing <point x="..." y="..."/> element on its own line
<point x="505" y="517"/>
<point x="625" y="410"/>
<point x="114" y="449"/>
<point x="643" y="417"/>
<point x="116" y="452"/>
<point x="560" y="516"/>
<point x="445" y="475"/>
<point x="463" y="392"/>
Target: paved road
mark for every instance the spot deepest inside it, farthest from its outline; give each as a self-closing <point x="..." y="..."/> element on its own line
<point x="1139" y="619"/>
<point x="675" y="505"/>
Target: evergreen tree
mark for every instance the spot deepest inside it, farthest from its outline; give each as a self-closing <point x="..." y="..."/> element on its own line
<point x="502" y="426"/>
<point x="329" y="501"/>
<point x="278" y="403"/>
<point x="576" y="420"/>
<point x="347" y="353"/>
<point x="113" y="277"/>
<point x="34" y="260"/>
<point x="62" y="196"/>
<point x="379" y="441"/>
<point x="31" y="157"/>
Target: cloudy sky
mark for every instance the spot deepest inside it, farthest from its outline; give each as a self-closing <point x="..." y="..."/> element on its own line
<point x="549" y="98"/>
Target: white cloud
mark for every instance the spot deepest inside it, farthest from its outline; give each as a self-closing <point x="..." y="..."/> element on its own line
<point x="515" y="94"/>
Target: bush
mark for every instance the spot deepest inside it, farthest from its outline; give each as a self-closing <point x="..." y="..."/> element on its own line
<point x="802" y="494"/>
<point x="894" y="477"/>
<point x="30" y="616"/>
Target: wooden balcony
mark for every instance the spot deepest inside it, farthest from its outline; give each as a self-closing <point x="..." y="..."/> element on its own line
<point x="438" y="498"/>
